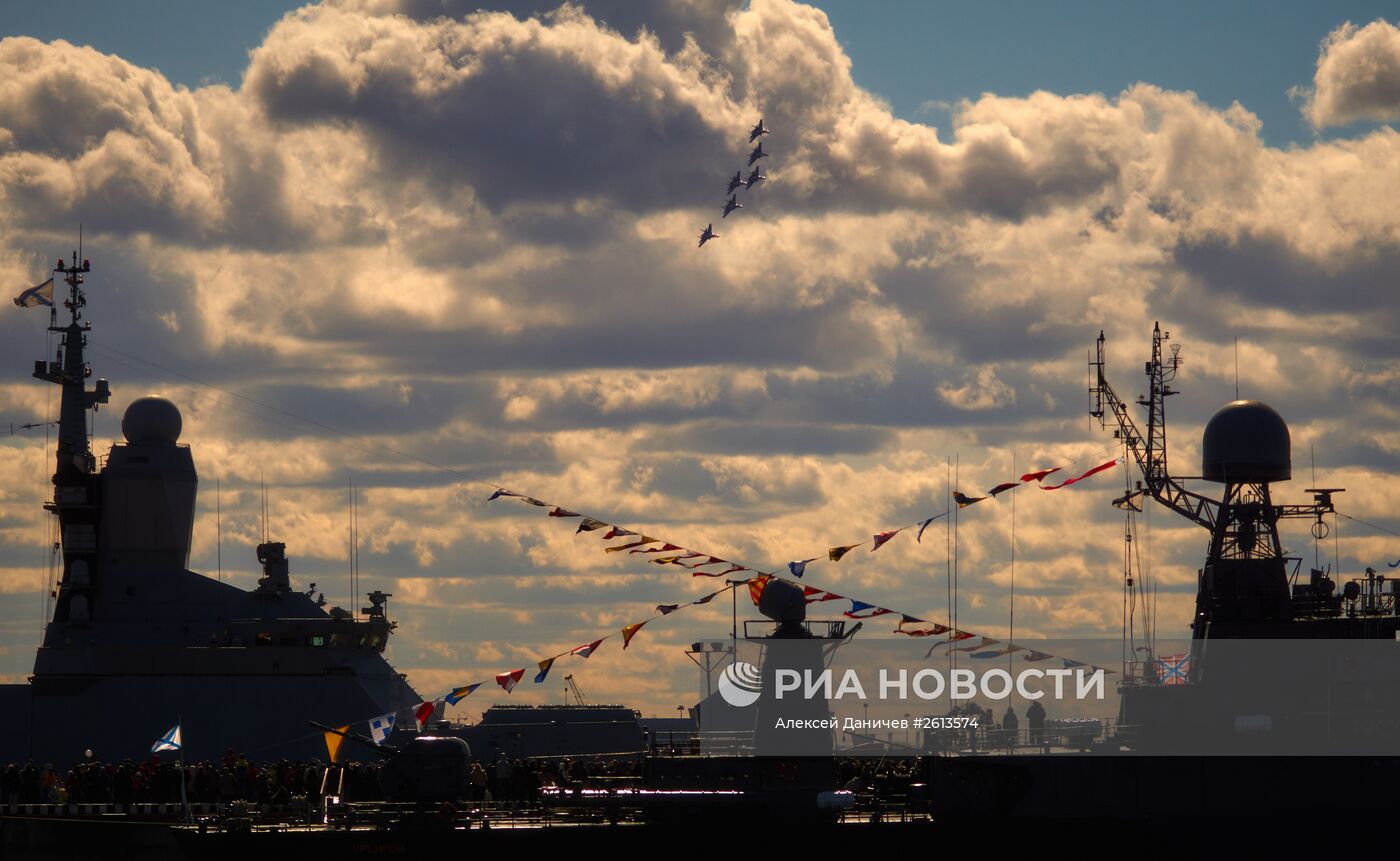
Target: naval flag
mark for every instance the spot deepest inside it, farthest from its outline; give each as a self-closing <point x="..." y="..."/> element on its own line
<point x="423" y="712"/>
<point x="169" y="741"/>
<point x="36" y="296"/>
<point x="380" y="727"/>
<point x="1174" y="669"/>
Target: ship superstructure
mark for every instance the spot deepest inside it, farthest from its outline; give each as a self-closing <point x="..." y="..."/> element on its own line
<point x="137" y="641"/>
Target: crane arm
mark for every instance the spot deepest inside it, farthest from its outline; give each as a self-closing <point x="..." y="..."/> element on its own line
<point x="1150" y="451"/>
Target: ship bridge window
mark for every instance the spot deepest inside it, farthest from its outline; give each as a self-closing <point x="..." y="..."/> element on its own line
<point x="316" y="640"/>
<point x="288" y="640"/>
<point x="262" y="639"/>
<point x="374" y="641"/>
<point x="340" y="641"/>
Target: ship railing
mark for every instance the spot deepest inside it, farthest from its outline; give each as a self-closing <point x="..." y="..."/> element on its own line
<point x="817" y="629"/>
<point x="1056" y="736"/>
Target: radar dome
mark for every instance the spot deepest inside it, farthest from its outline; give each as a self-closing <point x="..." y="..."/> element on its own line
<point x="1246" y="441"/>
<point x="152" y="420"/>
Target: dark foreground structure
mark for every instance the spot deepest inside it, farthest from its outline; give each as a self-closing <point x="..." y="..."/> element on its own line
<point x="136" y="642"/>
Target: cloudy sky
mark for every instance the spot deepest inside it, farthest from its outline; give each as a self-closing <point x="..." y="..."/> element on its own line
<point x="469" y="237"/>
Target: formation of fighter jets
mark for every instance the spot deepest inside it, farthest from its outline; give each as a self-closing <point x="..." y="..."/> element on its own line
<point x="754" y="178"/>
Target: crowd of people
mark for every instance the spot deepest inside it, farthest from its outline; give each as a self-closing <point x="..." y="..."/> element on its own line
<point x="510" y="781"/>
<point x="157" y="781"/>
<point x="279" y="783"/>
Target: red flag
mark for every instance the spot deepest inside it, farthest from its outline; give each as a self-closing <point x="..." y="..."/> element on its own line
<point x="1100" y="468"/>
<point x="665" y="548"/>
<point x="882" y="537"/>
<point x="585" y="651"/>
<point x="1002" y="488"/>
<point x="756" y="587"/>
<point x="811" y="593"/>
<point x="508" y="680"/>
<point x="617" y="531"/>
<point x="1039" y="474"/>
<point x="423" y="712"/>
<point x="560" y="512"/>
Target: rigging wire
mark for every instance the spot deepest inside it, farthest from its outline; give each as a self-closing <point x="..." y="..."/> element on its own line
<point x="1361" y="522"/>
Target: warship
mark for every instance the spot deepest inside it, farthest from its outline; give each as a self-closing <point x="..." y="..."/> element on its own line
<point x="1288" y="688"/>
<point x="137" y="642"/>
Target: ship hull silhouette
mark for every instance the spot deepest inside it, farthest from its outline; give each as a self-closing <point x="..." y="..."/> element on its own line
<point x="137" y="641"/>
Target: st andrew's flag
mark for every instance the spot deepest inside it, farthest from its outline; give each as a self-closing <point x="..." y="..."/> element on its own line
<point x="36" y="296"/>
<point x="169" y="741"/>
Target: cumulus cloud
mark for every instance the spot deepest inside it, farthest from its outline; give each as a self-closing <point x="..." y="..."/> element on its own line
<point x="468" y="236"/>
<point x="1358" y="76"/>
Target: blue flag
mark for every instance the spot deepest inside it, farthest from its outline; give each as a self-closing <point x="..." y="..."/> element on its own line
<point x="380" y="727"/>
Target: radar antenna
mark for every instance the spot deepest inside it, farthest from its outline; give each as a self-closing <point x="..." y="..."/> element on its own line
<point x="1245" y="448"/>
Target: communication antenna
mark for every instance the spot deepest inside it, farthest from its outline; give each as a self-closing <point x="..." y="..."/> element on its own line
<point x="1237" y="367"/>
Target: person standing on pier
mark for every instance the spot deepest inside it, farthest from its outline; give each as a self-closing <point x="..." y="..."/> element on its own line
<point x="1035" y="718"/>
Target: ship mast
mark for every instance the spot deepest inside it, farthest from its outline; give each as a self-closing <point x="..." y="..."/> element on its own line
<point x="75" y="474"/>
<point x="1244" y="582"/>
<point x="1150" y="451"/>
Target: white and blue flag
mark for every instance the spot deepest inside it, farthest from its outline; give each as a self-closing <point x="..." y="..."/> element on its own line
<point x="169" y="741"/>
<point x="35" y="296"/>
<point x="380" y="727"/>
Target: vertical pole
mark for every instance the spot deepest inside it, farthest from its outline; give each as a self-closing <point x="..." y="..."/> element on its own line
<point x="948" y="542"/>
<point x="184" y="799"/>
<point x="1011" y="637"/>
<point x="350" y="536"/>
<point x="734" y="618"/>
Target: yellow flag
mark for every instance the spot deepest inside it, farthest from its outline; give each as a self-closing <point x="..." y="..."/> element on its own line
<point x="631" y="631"/>
<point x="333" y="741"/>
<point x="835" y="553"/>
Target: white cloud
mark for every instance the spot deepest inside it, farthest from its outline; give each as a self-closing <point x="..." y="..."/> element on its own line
<point x="470" y="236"/>
<point x="1358" y="76"/>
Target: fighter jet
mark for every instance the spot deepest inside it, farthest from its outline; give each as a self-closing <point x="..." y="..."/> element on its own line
<point x="707" y="235"/>
<point x="757" y="130"/>
<point x="757" y="153"/>
<point x="734" y="183"/>
<point x="731" y="205"/>
<point x="754" y="179"/>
